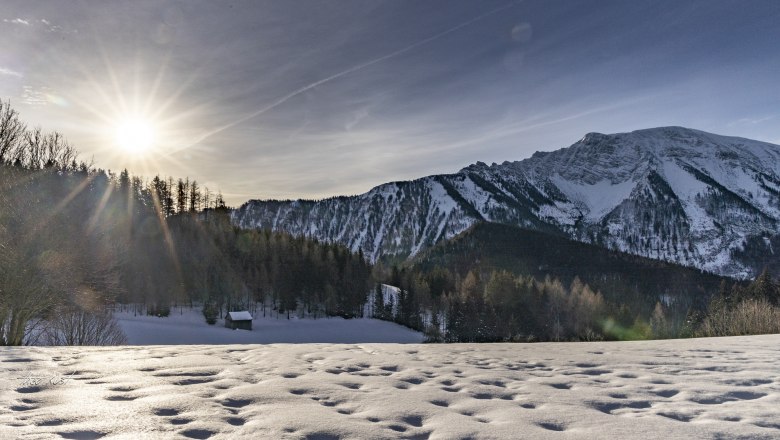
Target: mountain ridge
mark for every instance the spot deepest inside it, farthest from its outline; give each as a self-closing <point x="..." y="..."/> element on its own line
<point x="669" y="193"/>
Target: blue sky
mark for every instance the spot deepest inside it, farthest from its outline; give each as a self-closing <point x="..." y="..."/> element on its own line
<point x="289" y="99"/>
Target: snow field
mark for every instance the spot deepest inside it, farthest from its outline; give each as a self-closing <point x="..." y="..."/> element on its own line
<point x="187" y="326"/>
<point x="676" y="389"/>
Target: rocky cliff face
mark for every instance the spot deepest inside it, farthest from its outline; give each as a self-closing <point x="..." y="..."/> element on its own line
<point x="670" y="193"/>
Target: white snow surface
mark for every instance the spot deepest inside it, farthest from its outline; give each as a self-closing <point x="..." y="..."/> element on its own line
<point x="598" y="199"/>
<point x="687" y="188"/>
<point x="675" y="389"/>
<point x="187" y="326"/>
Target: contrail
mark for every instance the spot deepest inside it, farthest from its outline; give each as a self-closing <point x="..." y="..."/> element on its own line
<point x="303" y="89"/>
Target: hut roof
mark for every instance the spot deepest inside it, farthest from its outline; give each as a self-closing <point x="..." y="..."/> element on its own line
<point x="240" y="316"/>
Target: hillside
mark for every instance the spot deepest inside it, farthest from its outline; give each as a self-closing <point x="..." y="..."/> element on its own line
<point x="619" y="276"/>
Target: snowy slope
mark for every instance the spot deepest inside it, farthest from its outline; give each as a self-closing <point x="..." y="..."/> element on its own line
<point x="187" y="326"/>
<point x="674" y="389"/>
<point x="669" y="193"/>
<point x="395" y="218"/>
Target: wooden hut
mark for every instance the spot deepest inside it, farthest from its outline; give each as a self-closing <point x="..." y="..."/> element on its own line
<point x="242" y="320"/>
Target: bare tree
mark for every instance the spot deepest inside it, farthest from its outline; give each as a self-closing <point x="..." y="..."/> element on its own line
<point x="34" y="144"/>
<point x="56" y="152"/>
<point x="23" y="295"/>
<point x="72" y="325"/>
<point x="11" y="130"/>
<point x="206" y="198"/>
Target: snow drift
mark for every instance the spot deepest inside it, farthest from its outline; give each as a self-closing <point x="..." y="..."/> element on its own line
<point x="674" y="389"/>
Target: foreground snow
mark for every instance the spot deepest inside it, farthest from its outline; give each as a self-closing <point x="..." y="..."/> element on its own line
<point x="701" y="388"/>
<point x="187" y="326"/>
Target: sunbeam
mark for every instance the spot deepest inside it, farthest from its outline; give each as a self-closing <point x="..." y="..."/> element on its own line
<point x="93" y="221"/>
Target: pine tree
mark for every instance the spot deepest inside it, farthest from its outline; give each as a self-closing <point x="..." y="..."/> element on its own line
<point x="379" y="302"/>
<point x="194" y="197"/>
<point x="181" y="196"/>
<point x="169" y="205"/>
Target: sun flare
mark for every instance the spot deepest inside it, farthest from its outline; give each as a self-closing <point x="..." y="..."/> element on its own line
<point x="135" y="135"/>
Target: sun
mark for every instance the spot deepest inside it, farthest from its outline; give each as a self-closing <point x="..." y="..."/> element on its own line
<point x="135" y="135"/>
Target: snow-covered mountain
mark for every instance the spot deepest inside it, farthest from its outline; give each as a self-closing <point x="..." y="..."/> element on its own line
<point x="668" y="193"/>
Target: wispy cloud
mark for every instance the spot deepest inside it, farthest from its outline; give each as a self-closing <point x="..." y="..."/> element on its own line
<point x="17" y="21"/>
<point x="34" y="96"/>
<point x="751" y="121"/>
<point x="53" y="28"/>
<point x="41" y="23"/>
<point x="9" y="72"/>
<point x="356" y="118"/>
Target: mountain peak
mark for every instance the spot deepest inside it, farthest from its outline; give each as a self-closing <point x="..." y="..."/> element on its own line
<point x="668" y="193"/>
<point x="476" y="167"/>
<point x="669" y="130"/>
<point x="593" y="137"/>
<point x="685" y="135"/>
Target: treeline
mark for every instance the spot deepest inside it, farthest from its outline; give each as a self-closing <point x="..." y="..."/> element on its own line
<point x="742" y="310"/>
<point x="75" y="239"/>
<point x="505" y="307"/>
<point x="177" y="196"/>
<point x="207" y="260"/>
<point x="500" y="283"/>
<point x="33" y="149"/>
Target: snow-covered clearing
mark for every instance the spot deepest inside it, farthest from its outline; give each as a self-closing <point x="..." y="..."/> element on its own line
<point x="187" y="326"/>
<point x="678" y="389"/>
